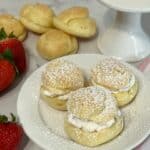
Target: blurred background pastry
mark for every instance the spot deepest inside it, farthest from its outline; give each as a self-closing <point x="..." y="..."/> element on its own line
<point x="58" y="80"/>
<point x="93" y="116"/>
<point x="76" y="21"/>
<point x="12" y="25"/>
<point x="117" y="77"/>
<point x="56" y="43"/>
<point x="37" y="17"/>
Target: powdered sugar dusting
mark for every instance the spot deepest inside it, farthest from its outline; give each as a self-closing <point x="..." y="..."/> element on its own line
<point x="111" y="73"/>
<point x="62" y="74"/>
<point x="92" y="100"/>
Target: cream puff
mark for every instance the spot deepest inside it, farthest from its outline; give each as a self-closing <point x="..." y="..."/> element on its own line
<point x="12" y="25"/>
<point x="37" y="17"/>
<point x="56" y="43"/>
<point x="93" y="116"/>
<point x="76" y="21"/>
<point x="58" y="80"/>
<point x="117" y="77"/>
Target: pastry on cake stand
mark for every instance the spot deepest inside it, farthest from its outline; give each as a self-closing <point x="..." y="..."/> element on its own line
<point x="126" y="38"/>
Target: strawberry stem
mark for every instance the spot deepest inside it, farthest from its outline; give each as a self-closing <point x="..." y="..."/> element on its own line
<point x="13" y="118"/>
<point x="4" y="118"/>
<point x="3" y="34"/>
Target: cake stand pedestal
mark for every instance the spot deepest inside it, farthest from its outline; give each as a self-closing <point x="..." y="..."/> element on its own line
<point x="126" y="38"/>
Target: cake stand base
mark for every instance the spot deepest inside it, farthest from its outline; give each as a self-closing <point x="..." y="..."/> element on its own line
<point x="125" y="38"/>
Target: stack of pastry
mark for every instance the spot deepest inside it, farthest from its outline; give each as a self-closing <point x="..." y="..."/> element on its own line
<point x="93" y="116"/>
<point x="69" y="24"/>
<point x="59" y="32"/>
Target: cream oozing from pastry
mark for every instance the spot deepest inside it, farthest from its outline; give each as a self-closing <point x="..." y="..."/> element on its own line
<point x="60" y="94"/>
<point x="100" y="95"/>
<point x="89" y="126"/>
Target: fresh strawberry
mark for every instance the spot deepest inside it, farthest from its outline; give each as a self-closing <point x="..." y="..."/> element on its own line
<point x="16" y="47"/>
<point x="7" y="74"/>
<point x="11" y="133"/>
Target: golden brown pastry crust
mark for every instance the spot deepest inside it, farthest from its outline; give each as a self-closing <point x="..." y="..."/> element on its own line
<point x="92" y="139"/>
<point x="56" y="43"/>
<point x="11" y="24"/>
<point x="37" y="17"/>
<point x="76" y="21"/>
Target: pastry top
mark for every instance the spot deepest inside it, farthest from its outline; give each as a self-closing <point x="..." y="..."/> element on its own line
<point x="76" y="21"/>
<point x="73" y="13"/>
<point x="93" y="103"/>
<point x="55" y="43"/>
<point x="11" y="24"/>
<point x="62" y="74"/>
<point x="112" y="74"/>
<point x="38" y="13"/>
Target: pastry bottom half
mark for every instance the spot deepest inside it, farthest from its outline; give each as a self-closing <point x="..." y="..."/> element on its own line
<point x="96" y="138"/>
<point x="54" y="102"/>
<point x="124" y="98"/>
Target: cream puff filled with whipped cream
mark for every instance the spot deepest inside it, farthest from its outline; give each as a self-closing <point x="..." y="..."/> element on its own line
<point x="58" y="80"/>
<point x="117" y="77"/>
<point x="93" y="116"/>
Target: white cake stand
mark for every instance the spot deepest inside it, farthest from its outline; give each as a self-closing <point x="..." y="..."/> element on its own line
<point x="126" y="38"/>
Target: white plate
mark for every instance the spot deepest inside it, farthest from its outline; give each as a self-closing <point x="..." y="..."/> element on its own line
<point x="137" y="114"/>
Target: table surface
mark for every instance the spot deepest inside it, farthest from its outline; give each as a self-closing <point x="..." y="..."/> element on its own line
<point x="104" y="17"/>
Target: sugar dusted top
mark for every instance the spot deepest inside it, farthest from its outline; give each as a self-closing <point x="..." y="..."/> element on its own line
<point x="62" y="74"/>
<point x="93" y="103"/>
<point x="111" y="73"/>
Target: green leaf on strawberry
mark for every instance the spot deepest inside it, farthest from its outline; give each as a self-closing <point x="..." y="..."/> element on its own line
<point x="11" y="35"/>
<point x="3" y="34"/>
<point x="12" y="49"/>
<point x="7" y="54"/>
<point x="4" y="118"/>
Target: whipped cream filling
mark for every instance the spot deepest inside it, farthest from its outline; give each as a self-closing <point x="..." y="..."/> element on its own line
<point x="124" y="89"/>
<point x="59" y="95"/>
<point x="89" y="126"/>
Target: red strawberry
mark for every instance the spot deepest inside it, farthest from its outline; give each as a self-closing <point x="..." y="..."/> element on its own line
<point x="7" y="74"/>
<point x="11" y="134"/>
<point x="16" y="47"/>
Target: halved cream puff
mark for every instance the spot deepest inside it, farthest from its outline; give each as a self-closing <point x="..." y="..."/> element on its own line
<point x="117" y="77"/>
<point x="58" y="80"/>
<point x="93" y="116"/>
